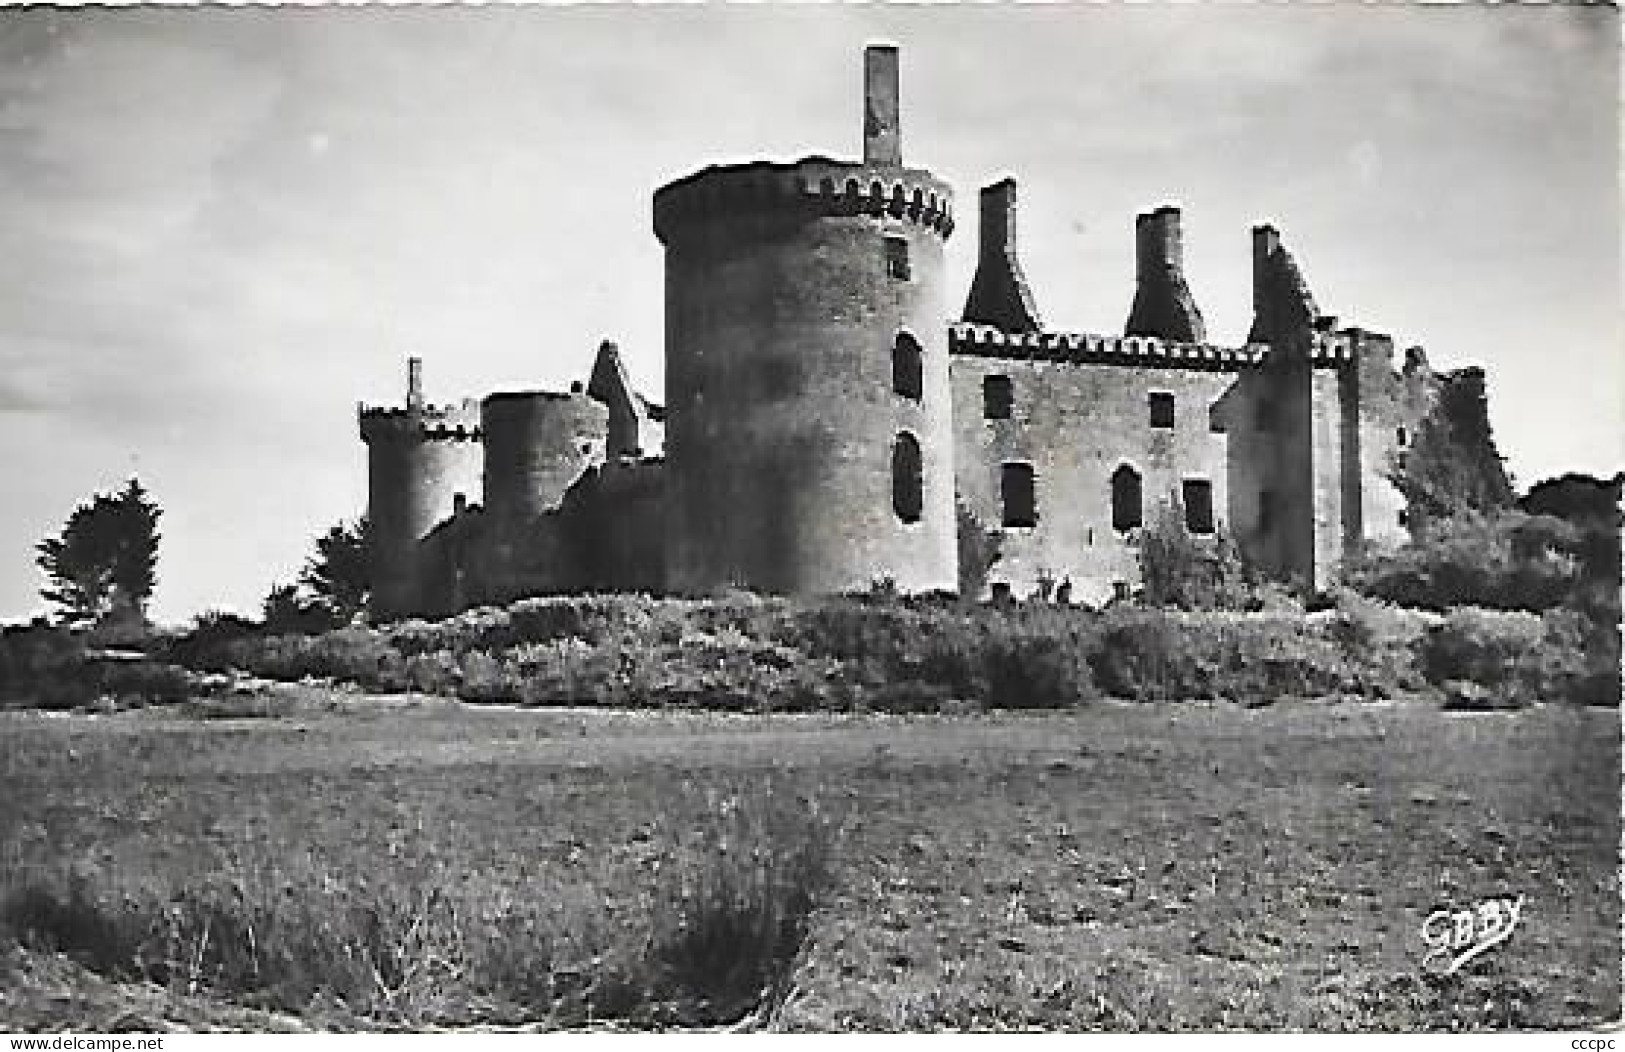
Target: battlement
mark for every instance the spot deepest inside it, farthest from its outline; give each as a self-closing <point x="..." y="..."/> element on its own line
<point x="810" y="188"/>
<point x="988" y="341"/>
<point x="455" y="422"/>
<point x="1351" y="344"/>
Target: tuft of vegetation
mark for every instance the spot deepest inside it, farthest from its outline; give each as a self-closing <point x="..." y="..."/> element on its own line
<point x="719" y="928"/>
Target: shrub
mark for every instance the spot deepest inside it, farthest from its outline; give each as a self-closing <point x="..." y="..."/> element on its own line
<point x="42" y="665"/>
<point x="1190" y="573"/>
<point x="1504" y="561"/>
<point x="67" y="918"/>
<point x="1378" y="642"/>
<point x="1148" y="655"/>
<point x="142" y="682"/>
<point x="1579" y="658"/>
<point x="1496" y="650"/>
<point x="214" y="643"/>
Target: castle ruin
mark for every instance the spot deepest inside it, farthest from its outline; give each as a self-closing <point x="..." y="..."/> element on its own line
<point x="827" y="426"/>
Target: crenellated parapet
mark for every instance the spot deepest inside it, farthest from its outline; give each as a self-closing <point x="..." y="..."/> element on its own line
<point x="1144" y="351"/>
<point x="814" y="187"/>
<point x="452" y="422"/>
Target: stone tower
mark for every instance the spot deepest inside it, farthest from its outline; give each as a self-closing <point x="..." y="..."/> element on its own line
<point x="422" y="461"/>
<point x="809" y="442"/>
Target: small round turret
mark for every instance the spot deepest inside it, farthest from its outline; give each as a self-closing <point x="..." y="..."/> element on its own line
<point x="421" y="459"/>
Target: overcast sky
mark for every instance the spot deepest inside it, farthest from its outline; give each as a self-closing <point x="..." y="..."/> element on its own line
<point x="221" y="228"/>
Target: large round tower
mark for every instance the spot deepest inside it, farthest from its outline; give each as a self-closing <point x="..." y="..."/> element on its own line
<point x="809" y="445"/>
<point x="422" y="461"/>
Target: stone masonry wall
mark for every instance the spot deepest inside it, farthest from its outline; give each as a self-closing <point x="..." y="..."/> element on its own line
<point x="781" y="413"/>
<point x="1076" y="424"/>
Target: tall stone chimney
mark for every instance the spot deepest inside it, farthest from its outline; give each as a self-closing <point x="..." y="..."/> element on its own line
<point x="1163" y="304"/>
<point x="882" y="132"/>
<point x="414" y="383"/>
<point x="999" y="293"/>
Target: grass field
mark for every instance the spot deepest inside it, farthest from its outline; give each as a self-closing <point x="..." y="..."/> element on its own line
<point x="1144" y="867"/>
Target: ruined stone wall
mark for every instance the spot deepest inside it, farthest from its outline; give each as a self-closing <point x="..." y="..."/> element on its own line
<point x="1333" y="512"/>
<point x="1077" y="423"/>
<point x="1392" y="402"/>
<point x="787" y="290"/>
<point x="448" y="565"/>
<point x="536" y="445"/>
<point x="615" y="525"/>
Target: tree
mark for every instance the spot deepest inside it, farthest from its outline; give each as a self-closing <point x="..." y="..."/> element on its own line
<point x="287" y="609"/>
<point x="1179" y="570"/>
<point x="105" y="560"/>
<point x="338" y="577"/>
<point x="979" y="548"/>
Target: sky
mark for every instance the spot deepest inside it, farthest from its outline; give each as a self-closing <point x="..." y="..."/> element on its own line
<point x="221" y="228"/>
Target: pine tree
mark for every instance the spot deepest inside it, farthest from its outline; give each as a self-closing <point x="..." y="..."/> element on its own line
<point x="337" y="575"/>
<point x="105" y="559"/>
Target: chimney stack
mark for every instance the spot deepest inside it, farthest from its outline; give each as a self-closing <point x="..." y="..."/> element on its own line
<point x="1163" y="304"/>
<point x="414" y="383"/>
<point x="882" y="134"/>
<point x="999" y="293"/>
<point x="1159" y="244"/>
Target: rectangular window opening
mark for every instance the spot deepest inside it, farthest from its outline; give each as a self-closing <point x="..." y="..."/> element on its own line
<point x="998" y="397"/>
<point x="897" y="258"/>
<point x="1016" y="488"/>
<point x="1198" y="497"/>
<point x="1162" y="409"/>
<point x="1266" y="511"/>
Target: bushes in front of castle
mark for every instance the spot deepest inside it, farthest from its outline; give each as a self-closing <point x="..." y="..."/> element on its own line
<point x="54" y="667"/>
<point x="42" y="665"/>
<point x="1502" y="561"/>
<point x="1562" y="573"/>
<point x="1496" y="659"/>
<point x="1150" y="655"/>
<point x="898" y="654"/>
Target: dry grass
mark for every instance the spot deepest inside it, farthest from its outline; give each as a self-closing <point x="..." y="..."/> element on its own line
<point x="1123" y="868"/>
